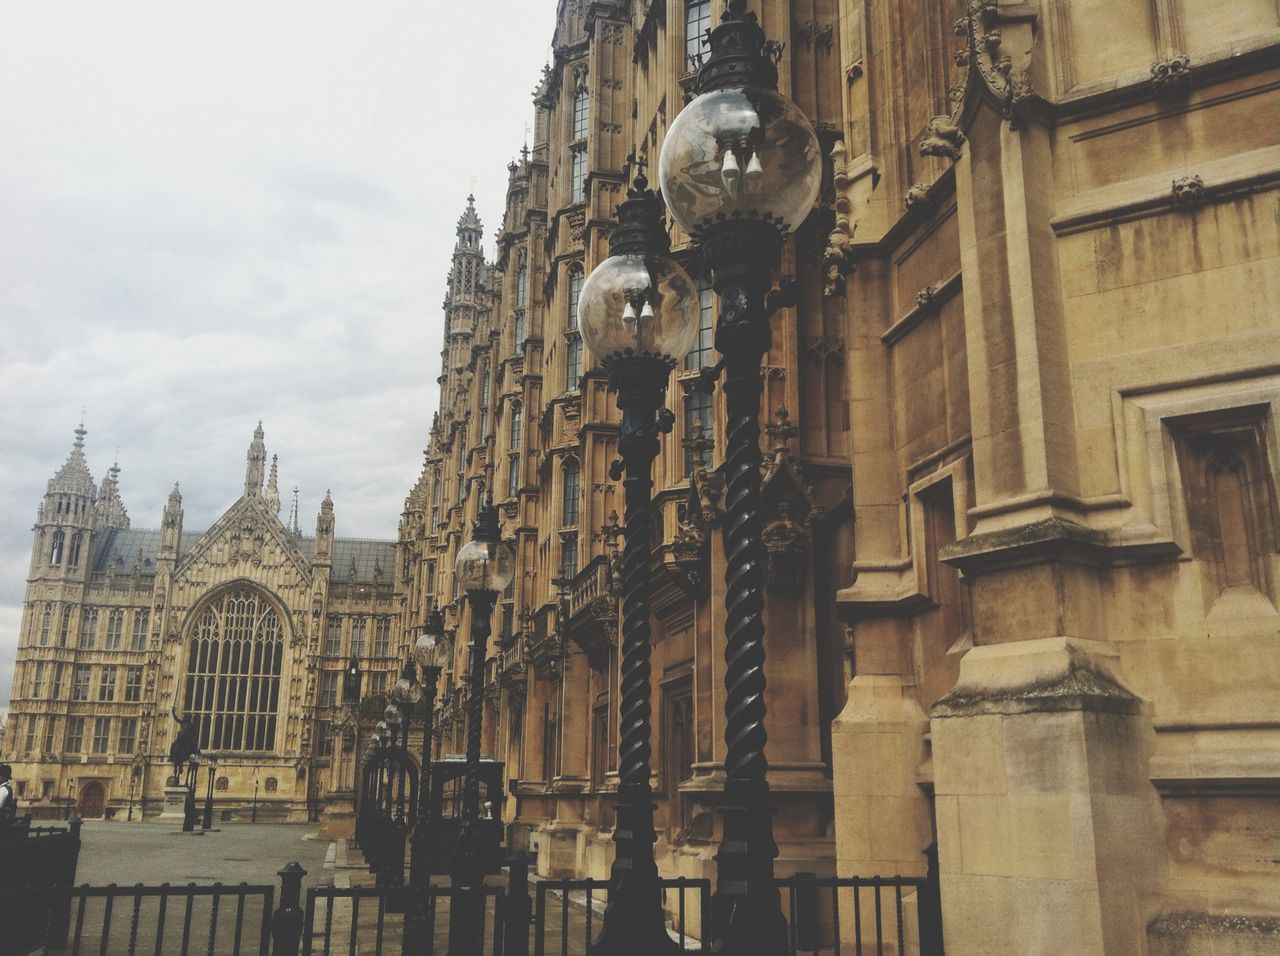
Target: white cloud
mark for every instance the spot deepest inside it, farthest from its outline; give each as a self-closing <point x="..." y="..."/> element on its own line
<point x="211" y="215"/>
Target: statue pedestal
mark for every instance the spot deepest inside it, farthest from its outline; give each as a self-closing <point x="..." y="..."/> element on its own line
<point x="338" y="819"/>
<point x="175" y="799"/>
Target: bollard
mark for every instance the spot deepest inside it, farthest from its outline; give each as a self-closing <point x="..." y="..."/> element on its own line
<point x="517" y="908"/>
<point x="805" y="917"/>
<point x="286" y="921"/>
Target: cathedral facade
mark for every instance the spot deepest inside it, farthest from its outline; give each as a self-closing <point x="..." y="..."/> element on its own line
<point x="1020" y="467"/>
<point x="246" y="628"/>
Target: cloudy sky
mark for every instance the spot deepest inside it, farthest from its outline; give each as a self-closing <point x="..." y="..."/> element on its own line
<point x="212" y="214"/>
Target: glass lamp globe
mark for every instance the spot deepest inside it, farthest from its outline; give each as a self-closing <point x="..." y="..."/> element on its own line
<point x="734" y="154"/>
<point x="392" y="716"/>
<point x="406" y="691"/>
<point x="430" y="651"/>
<point x="380" y="728"/>
<point x="484" y="566"/>
<point x="635" y="305"/>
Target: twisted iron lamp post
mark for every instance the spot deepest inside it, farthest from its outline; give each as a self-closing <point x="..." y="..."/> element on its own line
<point x="484" y="567"/>
<point x="740" y="168"/>
<point x="639" y="315"/>
<point x="430" y="652"/>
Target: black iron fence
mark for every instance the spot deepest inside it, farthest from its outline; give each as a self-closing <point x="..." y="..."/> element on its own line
<point x="833" y="916"/>
<point x="827" y="916"/>
<point x="380" y="921"/>
<point x="159" y="920"/>
<point x="567" y="914"/>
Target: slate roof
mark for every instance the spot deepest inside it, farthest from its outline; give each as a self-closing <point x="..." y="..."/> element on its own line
<point x="120" y="549"/>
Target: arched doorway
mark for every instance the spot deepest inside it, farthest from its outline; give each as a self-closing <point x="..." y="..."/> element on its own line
<point x="93" y="800"/>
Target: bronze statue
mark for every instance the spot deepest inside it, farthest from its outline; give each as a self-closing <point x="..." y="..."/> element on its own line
<point x="185" y="743"/>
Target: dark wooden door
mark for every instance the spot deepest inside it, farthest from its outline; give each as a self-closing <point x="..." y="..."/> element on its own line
<point x="93" y="800"/>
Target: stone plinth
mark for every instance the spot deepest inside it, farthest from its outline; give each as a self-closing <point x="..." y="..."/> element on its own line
<point x="175" y="800"/>
<point x="1048" y="826"/>
<point x="338" y="819"/>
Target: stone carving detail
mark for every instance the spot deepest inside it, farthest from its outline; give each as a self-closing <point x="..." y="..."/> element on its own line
<point x="811" y="34"/>
<point x="577" y="225"/>
<point x="982" y="28"/>
<point x="917" y="195"/>
<point x="1188" y="192"/>
<point x="788" y="510"/>
<point x="927" y="298"/>
<point x="942" y="138"/>
<point x="1171" y="77"/>
<point x="837" y="258"/>
<point x="786" y="546"/>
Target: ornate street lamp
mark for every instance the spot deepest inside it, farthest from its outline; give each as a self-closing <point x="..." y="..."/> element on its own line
<point x="431" y="653"/>
<point x="740" y="168"/>
<point x="484" y="567"/>
<point x="639" y="315"/>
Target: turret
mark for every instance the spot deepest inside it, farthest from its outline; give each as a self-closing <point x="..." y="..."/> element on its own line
<point x="324" y="531"/>
<point x="255" y="464"/>
<point x="66" y="518"/>
<point x="171" y="525"/>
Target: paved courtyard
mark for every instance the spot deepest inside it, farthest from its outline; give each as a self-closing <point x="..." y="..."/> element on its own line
<point x="153" y="853"/>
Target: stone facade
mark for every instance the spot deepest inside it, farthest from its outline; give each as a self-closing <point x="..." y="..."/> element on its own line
<point x="248" y="627"/>
<point x="1021" y="469"/>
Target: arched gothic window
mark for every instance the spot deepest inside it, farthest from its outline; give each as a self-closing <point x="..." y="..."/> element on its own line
<point x="233" y="672"/>
<point x="73" y="559"/>
<point x="55" y="552"/>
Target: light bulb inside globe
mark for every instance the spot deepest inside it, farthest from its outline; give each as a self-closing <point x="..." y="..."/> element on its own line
<point x="638" y="306"/>
<point x="700" y="167"/>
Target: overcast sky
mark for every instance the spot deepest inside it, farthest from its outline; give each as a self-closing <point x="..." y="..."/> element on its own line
<point x="212" y="214"/>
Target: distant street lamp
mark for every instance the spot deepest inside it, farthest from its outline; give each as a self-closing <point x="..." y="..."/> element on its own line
<point x="484" y="567"/>
<point x="208" y="800"/>
<point x="741" y="167"/>
<point x="639" y="315"/>
<point x="253" y="818"/>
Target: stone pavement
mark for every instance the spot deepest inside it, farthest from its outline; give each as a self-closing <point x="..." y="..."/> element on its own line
<point x="154" y="853"/>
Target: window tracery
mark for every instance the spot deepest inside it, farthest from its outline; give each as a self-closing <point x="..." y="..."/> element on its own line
<point x="233" y="672"/>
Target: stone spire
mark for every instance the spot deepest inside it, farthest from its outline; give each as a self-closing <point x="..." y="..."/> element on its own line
<point x="110" y="509"/>
<point x="73" y="477"/>
<point x="273" y="486"/>
<point x="294" y="528"/>
<point x="256" y="462"/>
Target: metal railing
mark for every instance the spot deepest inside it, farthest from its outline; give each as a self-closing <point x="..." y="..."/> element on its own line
<point x="834" y="916"/>
<point x="159" y="920"/>
<point x="571" y="925"/>
<point x="408" y="921"/>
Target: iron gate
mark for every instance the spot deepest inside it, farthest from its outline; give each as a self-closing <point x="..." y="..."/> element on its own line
<point x="393" y="920"/>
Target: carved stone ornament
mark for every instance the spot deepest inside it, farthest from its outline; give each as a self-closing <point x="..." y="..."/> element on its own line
<point x="915" y="196"/>
<point x="986" y="52"/>
<point x="1188" y="192"/>
<point x="1172" y="77"/>
<point x="577" y="225"/>
<point x="837" y="258"/>
<point x="942" y="137"/>
<point x="786" y="546"/>
<point x="689" y="552"/>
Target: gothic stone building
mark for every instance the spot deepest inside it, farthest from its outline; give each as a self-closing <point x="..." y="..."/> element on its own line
<point x="247" y="627"/>
<point x="1020" y="480"/>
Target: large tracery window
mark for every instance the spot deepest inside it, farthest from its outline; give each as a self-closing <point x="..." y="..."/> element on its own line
<point x="233" y="673"/>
